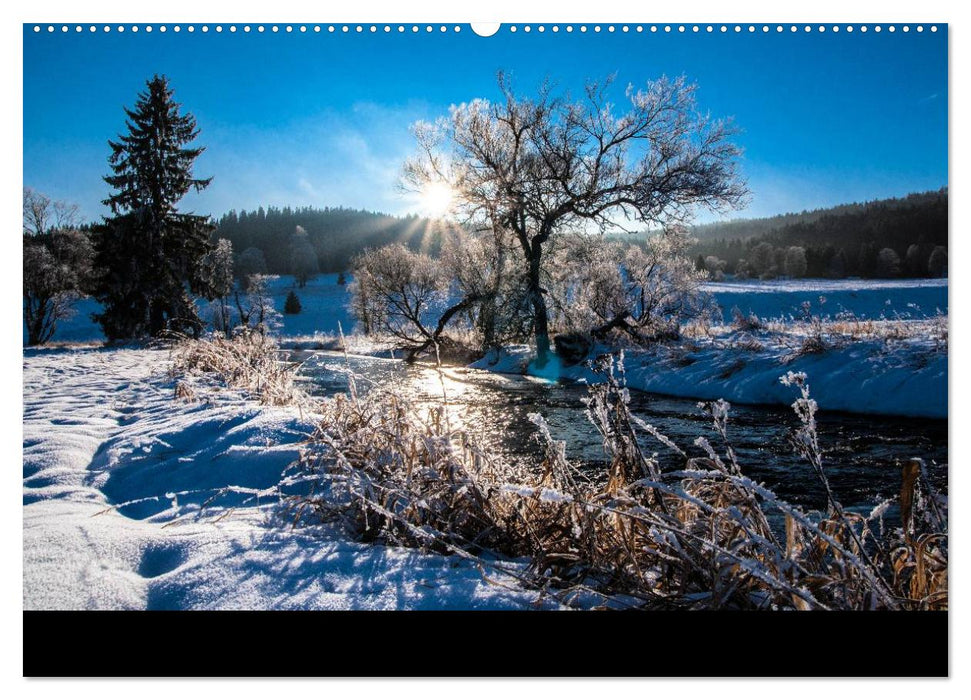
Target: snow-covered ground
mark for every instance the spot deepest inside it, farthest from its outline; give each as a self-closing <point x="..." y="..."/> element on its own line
<point x="326" y="303"/>
<point x="116" y="478"/>
<point x="908" y="378"/>
<point x="871" y="299"/>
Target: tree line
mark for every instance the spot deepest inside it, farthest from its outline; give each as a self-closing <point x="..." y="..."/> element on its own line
<point x="334" y="235"/>
<point x="901" y="237"/>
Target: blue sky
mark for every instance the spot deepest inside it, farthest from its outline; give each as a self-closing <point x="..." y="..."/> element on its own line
<point x="323" y="119"/>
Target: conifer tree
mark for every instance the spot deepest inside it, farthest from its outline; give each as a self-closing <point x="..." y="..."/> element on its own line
<point x="150" y="252"/>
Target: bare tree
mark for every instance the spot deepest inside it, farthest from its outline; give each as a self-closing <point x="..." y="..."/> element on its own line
<point x="42" y="215"/>
<point x="396" y="291"/>
<point x="530" y="169"/>
<point x="58" y="264"/>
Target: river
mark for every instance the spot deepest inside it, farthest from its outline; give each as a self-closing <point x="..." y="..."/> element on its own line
<point x="861" y="453"/>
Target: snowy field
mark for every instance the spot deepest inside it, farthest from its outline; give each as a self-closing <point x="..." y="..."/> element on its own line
<point x="119" y="480"/>
<point x="326" y="303"/>
<point x="871" y="299"/>
<point x="906" y="377"/>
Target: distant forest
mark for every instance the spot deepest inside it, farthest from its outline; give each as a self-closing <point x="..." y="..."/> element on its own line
<point x="901" y="237"/>
<point x="336" y="234"/>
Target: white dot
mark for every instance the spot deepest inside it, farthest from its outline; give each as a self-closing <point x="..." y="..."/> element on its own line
<point x="205" y="28"/>
<point x="835" y="28"/>
<point x="878" y="28"/>
<point x="177" y="29"/>
<point x="653" y="28"/>
<point x="849" y="29"/>
<point x="681" y="28"/>
<point x="120" y="29"/>
<point x="765" y="28"/>
<point x="555" y="28"/>
<point x="512" y="29"/>
<point x="400" y="28"/>
<point x="920" y="28"/>
<point x="891" y="28"/>
<point x="751" y="28"/>
<point x="934" y="28"/>
<point x="625" y="29"/>
<point x="709" y="29"/>
<point x="597" y="28"/>
<point x="822" y="28"/>
<point x="147" y="29"/>
<point x="863" y="28"/>
<point x="694" y="29"/>
<point x="93" y="28"/>
<point x="36" y="28"/>
<point x="429" y="28"/>
<point x="667" y="28"/>
<point x="640" y="28"/>
<point x="724" y="28"/>
<point x="569" y="28"/>
<point x="386" y="29"/>
<point x="526" y="29"/>
<point x="344" y="29"/>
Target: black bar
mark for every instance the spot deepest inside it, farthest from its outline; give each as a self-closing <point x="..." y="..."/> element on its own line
<point x="484" y="644"/>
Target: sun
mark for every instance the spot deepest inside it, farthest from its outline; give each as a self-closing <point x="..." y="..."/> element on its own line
<point x="436" y="199"/>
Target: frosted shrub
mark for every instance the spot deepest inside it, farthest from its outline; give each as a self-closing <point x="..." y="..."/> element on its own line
<point x="702" y="535"/>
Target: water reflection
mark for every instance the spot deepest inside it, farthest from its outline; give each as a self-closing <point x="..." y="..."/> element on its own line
<point x="861" y="452"/>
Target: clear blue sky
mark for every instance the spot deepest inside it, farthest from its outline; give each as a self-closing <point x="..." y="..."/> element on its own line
<point x="323" y="119"/>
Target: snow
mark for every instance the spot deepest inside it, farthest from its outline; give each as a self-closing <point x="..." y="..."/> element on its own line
<point x="863" y="376"/>
<point x="326" y="303"/>
<point x="117" y="481"/>
<point x="871" y="299"/>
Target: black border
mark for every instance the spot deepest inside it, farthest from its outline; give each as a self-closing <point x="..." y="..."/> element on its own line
<point x="485" y="644"/>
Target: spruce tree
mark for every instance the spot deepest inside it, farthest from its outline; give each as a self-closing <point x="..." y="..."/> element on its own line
<point x="150" y="252"/>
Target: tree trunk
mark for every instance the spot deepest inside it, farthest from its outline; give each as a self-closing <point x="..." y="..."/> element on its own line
<point x="540" y="320"/>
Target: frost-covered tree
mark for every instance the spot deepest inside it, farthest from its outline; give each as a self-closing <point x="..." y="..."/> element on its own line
<point x="761" y="261"/>
<point x="251" y="262"/>
<point x="255" y="305"/>
<point x="303" y="258"/>
<point x="218" y="269"/>
<point x="530" y="169"/>
<point x="888" y="263"/>
<point x="646" y="292"/>
<point x="43" y="215"/>
<point x="937" y="263"/>
<point x="795" y="262"/>
<point x="58" y="271"/>
<point x="398" y="292"/>
<point x="490" y="287"/>
<point x="714" y="266"/>
<point x="149" y="251"/>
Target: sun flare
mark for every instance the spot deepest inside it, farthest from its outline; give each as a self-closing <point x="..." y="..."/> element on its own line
<point x="436" y="199"/>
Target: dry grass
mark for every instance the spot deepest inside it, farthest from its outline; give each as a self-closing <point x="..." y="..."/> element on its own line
<point x="250" y="361"/>
<point x="703" y="536"/>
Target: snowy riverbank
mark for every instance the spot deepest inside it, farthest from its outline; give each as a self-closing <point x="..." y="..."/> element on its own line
<point x="902" y="378"/>
<point x="116" y="477"/>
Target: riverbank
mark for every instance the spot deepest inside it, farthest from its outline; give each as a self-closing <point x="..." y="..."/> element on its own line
<point x="906" y="377"/>
<point x="134" y="498"/>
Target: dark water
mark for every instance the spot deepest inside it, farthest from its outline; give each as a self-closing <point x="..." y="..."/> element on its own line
<point x="861" y="453"/>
